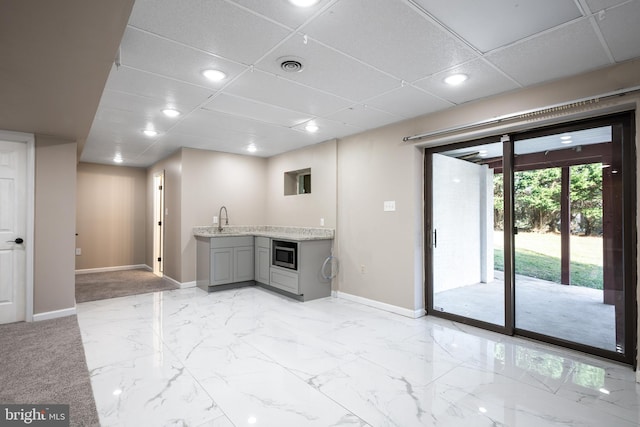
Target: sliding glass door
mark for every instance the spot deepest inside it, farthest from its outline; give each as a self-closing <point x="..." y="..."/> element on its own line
<point x="533" y="234"/>
<point x="466" y="232"/>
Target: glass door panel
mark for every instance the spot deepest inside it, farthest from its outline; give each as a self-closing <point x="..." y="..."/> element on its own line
<point x="568" y="237"/>
<point x="467" y="233"/>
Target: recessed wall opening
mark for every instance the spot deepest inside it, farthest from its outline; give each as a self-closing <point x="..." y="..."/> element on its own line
<point x="297" y="182"/>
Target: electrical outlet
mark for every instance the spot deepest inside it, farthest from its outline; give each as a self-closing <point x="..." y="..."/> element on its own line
<point x="363" y="269"/>
<point x="215" y="219"/>
<point x="389" y="206"/>
<point x="322" y="222"/>
<point x="78" y="251"/>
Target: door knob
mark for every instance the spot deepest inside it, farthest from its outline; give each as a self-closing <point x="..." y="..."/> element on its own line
<point x="18" y="240"/>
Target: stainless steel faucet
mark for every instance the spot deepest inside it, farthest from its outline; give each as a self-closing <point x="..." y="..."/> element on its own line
<point x="226" y="218"/>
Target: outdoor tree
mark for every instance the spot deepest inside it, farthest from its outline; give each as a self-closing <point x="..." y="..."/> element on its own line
<point x="537" y="199"/>
<point x="586" y="198"/>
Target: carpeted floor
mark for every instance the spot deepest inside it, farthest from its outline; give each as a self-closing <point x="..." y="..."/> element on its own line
<point x="112" y="284"/>
<point x="43" y="363"/>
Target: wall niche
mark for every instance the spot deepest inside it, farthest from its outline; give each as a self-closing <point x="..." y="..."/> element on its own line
<point x="297" y="182"/>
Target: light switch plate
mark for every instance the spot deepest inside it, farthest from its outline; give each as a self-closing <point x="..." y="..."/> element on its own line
<point x="389" y="205"/>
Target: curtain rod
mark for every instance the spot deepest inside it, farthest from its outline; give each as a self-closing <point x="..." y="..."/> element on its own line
<point x="526" y="114"/>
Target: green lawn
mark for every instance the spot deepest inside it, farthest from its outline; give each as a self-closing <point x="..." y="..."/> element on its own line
<point x="538" y="255"/>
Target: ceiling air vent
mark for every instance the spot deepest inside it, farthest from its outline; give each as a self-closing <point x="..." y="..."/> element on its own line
<point x="291" y="64"/>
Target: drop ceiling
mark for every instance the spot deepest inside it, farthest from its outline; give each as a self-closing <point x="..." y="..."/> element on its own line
<point x="366" y="63"/>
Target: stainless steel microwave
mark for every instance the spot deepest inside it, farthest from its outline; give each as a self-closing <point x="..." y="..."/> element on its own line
<point x="285" y="254"/>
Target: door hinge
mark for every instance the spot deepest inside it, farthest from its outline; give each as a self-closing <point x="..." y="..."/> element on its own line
<point x="160" y="187"/>
<point x="159" y="222"/>
<point x="159" y="259"/>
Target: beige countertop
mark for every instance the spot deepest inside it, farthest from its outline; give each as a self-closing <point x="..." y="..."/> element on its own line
<point x="271" y="231"/>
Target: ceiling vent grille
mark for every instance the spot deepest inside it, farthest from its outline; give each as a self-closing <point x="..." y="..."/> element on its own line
<point x="291" y="64"/>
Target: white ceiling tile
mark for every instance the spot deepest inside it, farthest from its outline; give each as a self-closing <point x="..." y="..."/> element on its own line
<point x="408" y="102"/>
<point x="329" y="129"/>
<point x="364" y="117"/>
<point x="330" y="71"/>
<point x="489" y="24"/>
<point x="157" y="55"/>
<point x="215" y="26"/>
<point x="282" y="11"/>
<point x="597" y="5"/>
<point x="413" y="46"/>
<point x="243" y="107"/>
<point x="157" y="151"/>
<point x="563" y="52"/>
<point x="172" y="92"/>
<point x="621" y="30"/>
<point x="127" y="109"/>
<point x="484" y="80"/>
<point x="285" y="93"/>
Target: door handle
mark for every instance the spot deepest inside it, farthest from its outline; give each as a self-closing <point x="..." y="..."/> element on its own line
<point x="18" y="240"/>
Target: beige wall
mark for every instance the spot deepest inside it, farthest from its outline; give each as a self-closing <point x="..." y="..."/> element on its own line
<point x="304" y="209"/>
<point x="374" y="167"/>
<point x="55" y="223"/>
<point x="197" y="184"/>
<point x="211" y="180"/>
<point x="111" y="216"/>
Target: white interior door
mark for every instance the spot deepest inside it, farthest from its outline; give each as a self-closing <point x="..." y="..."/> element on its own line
<point x="13" y="225"/>
<point x="158" y="227"/>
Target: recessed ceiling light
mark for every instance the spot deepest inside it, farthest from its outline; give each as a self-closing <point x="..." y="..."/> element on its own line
<point x="303" y="3"/>
<point x="117" y="159"/>
<point x="170" y="112"/>
<point x="252" y="148"/>
<point x="311" y="128"/>
<point x="565" y="137"/>
<point x="455" y="79"/>
<point x="214" y="75"/>
<point x="150" y="132"/>
<point x="482" y="153"/>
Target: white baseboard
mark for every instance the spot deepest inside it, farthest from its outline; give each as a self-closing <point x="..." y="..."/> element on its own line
<point x="414" y="314"/>
<point x="117" y="268"/>
<point x="54" y="314"/>
<point x="184" y="285"/>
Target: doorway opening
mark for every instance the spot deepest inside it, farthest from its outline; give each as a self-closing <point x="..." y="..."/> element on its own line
<point x="543" y="224"/>
<point x="158" y="224"/>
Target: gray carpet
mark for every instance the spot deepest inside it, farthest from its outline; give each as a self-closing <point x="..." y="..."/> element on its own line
<point x="112" y="284"/>
<point x="43" y="363"/>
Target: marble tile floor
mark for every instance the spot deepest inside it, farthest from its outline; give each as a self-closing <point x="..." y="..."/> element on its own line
<point x="249" y="357"/>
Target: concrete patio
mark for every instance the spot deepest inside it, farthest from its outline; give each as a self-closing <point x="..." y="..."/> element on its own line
<point x="572" y="313"/>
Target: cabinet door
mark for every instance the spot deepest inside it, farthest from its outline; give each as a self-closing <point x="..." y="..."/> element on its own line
<point x="221" y="266"/>
<point x="262" y="265"/>
<point x="243" y="264"/>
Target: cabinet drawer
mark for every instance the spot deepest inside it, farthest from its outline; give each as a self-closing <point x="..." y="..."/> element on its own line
<point x="285" y="280"/>
<point x="231" y="241"/>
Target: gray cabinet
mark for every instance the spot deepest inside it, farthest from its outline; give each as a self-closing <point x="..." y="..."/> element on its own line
<point x="221" y="266"/>
<point x="307" y="282"/>
<point x="224" y="260"/>
<point x="243" y="264"/>
<point x="262" y="260"/>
